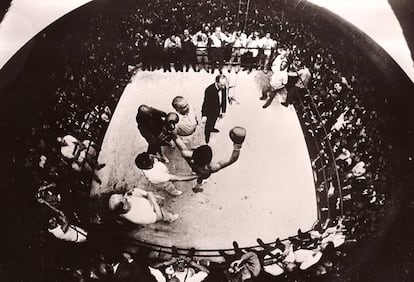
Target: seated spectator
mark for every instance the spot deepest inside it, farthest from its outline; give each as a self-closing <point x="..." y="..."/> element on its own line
<point x="246" y="268"/>
<point x="61" y="229"/>
<point x="358" y="170"/>
<point x="80" y="155"/>
<point x="180" y="270"/>
<point x="305" y="258"/>
<point x="157" y="173"/>
<point x="139" y="207"/>
<point x="98" y="113"/>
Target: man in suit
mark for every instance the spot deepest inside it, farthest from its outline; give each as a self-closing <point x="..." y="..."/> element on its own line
<point x="214" y="104"/>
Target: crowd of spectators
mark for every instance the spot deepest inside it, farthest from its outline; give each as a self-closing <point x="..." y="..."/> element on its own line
<point x="98" y="64"/>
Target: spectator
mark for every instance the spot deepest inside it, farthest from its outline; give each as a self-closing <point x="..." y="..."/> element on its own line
<point x="200" y="41"/>
<point x="268" y="45"/>
<point x="180" y="270"/>
<point x="61" y="229"/>
<point x="238" y="41"/>
<point x="253" y="45"/>
<point x="173" y="53"/>
<point x="218" y="40"/>
<point x="246" y="268"/>
<point x="277" y="87"/>
<point x="302" y="84"/>
<point x="188" y="50"/>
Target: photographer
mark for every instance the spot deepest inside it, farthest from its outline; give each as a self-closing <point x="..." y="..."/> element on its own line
<point x="172" y="52"/>
<point x="247" y="268"/>
<point x="238" y="41"/>
<point x="180" y="269"/>
<point x="200" y="41"/>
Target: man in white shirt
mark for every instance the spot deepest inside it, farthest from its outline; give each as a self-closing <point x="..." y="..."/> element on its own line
<point x="278" y="60"/>
<point x="218" y="40"/>
<point x="158" y="174"/>
<point x="301" y="86"/>
<point x="139" y="207"/>
<point x="253" y="46"/>
<point x="267" y="44"/>
<point x="277" y="87"/>
<point x="188" y="122"/>
<point x="80" y="155"/>
<point x="61" y="229"/>
<point x="172" y="50"/>
<point x="200" y="41"/>
<point x="238" y="40"/>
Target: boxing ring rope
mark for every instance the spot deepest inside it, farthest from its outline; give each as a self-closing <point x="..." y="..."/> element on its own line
<point x="337" y="178"/>
<point x="202" y="252"/>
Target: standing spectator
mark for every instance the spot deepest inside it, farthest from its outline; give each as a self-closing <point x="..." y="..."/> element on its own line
<point x="218" y="39"/>
<point x="238" y="41"/>
<point x="277" y="87"/>
<point x="158" y="52"/>
<point x="300" y="88"/>
<point x="147" y="49"/>
<point x="214" y="105"/>
<point x="188" y="50"/>
<point x="172" y="51"/>
<point x="200" y="41"/>
<point x="253" y="45"/>
<point x="268" y="44"/>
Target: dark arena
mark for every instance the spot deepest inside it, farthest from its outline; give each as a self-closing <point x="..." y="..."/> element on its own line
<point x="179" y="140"/>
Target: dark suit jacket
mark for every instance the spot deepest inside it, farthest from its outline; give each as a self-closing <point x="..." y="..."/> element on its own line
<point x="211" y="104"/>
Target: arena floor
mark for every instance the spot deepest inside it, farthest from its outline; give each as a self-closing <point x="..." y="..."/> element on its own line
<point x="268" y="193"/>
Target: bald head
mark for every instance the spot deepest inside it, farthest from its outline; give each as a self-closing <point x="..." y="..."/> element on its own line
<point x="180" y="104"/>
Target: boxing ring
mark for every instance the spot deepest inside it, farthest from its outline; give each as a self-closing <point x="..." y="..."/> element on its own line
<point x="268" y="193"/>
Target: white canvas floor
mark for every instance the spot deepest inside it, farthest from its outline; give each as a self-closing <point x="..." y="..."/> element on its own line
<point x="268" y="193"/>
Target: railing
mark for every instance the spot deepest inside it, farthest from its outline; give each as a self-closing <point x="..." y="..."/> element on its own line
<point x="326" y="176"/>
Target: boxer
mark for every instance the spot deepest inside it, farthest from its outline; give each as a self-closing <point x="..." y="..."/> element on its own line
<point x="157" y="128"/>
<point x="200" y="159"/>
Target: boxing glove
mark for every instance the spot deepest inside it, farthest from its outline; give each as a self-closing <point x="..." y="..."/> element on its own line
<point x="237" y="135"/>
